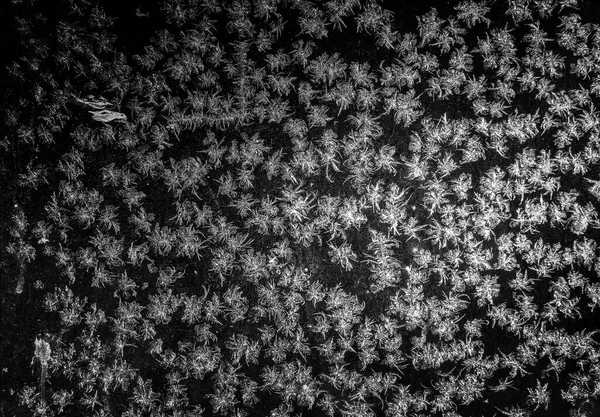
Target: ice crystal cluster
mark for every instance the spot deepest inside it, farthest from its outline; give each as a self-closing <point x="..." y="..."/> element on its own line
<point x="301" y="208"/>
